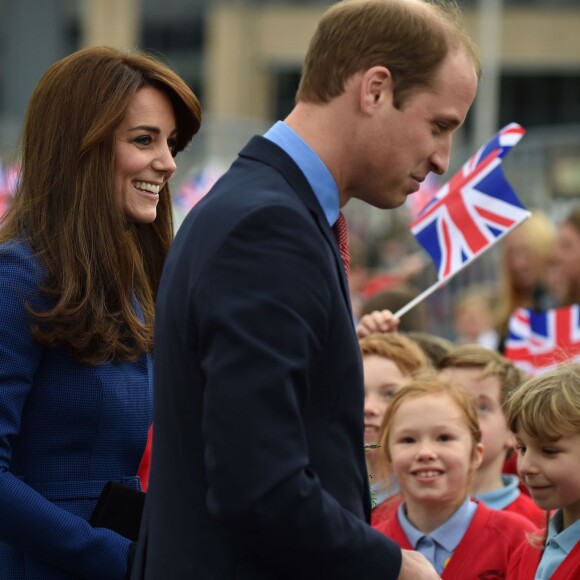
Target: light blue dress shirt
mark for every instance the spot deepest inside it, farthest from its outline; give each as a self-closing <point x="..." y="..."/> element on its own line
<point x="316" y="173"/>
<point x="558" y="545"/>
<point x="439" y="545"/>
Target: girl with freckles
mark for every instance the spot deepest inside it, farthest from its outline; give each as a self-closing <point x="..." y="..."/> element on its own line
<point x="431" y="441"/>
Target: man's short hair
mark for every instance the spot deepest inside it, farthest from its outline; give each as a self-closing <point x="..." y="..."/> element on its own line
<point x="409" y="37"/>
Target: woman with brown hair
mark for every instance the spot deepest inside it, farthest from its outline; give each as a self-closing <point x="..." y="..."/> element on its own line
<point x="81" y="253"/>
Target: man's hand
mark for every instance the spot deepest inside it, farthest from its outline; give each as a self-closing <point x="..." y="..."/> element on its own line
<point x="416" y="567"/>
<point x="377" y="321"/>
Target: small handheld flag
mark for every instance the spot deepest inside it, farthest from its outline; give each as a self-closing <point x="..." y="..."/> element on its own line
<point x="540" y="341"/>
<point x="471" y="212"/>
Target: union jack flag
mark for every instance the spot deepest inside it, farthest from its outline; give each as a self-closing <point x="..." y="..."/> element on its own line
<point x="198" y="184"/>
<point x="540" y="341"/>
<point x="473" y="210"/>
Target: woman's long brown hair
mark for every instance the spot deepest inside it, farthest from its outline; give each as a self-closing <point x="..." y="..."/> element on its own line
<point x="102" y="273"/>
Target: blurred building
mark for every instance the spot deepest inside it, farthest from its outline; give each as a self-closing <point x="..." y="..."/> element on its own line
<point x="243" y="59"/>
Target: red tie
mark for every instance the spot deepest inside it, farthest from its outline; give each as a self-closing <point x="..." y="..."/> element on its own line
<point x="340" y="230"/>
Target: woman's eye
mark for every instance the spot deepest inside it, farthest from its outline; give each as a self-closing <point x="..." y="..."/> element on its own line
<point x="143" y="140"/>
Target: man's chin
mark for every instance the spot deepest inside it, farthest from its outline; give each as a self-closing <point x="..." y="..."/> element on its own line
<point x="393" y="201"/>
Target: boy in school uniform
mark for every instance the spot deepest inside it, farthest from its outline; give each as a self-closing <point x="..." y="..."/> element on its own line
<point x="544" y="414"/>
<point x="491" y="377"/>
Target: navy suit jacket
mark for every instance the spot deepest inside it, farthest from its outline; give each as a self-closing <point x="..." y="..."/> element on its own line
<point x="258" y="468"/>
<point x="65" y="430"/>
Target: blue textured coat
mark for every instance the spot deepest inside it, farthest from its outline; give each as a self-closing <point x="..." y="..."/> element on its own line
<point x="65" y="430"/>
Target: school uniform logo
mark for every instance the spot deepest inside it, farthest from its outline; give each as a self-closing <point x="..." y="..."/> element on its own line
<point x="492" y="575"/>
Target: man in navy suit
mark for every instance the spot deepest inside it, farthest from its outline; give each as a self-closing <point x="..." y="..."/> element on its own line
<point x="258" y="467"/>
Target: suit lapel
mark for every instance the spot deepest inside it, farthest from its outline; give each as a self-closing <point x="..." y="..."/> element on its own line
<point x="263" y="150"/>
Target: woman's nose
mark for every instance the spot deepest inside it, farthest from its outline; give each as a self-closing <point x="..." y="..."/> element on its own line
<point x="165" y="162"/>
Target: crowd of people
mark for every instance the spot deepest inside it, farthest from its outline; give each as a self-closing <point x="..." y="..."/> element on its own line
<point x="442" y="434"/>
<point x="535" y="267"/>
<point x="505" y="415"/>
<point x="284" y="430"/>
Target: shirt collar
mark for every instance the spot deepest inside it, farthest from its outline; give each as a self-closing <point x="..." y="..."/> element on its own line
<point x="566" y="539"/>
<point x="313" y="168"/>
<point x="449" y="534"/>
<point x="498" y="499"/>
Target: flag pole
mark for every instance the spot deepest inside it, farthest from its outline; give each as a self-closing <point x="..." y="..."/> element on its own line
<point x="440" y="283"/>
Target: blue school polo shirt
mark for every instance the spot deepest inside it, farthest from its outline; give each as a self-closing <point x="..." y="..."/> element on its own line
<point x="558" y="545"/>
<point x="439" y="545"/>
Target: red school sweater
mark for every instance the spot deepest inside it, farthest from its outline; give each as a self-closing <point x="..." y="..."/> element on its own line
<point x="386" y="510"/>
<point x="526" y="560"/>
<point x="525" y="506"/>
<point x="484" y="551"/>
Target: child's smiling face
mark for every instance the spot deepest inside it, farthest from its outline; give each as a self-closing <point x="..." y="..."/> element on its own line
<point x="550" y="472"/>
<point x="432" y="452"/>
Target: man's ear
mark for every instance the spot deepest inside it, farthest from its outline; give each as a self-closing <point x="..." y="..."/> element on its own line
<point x="376" y="88"/>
